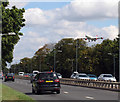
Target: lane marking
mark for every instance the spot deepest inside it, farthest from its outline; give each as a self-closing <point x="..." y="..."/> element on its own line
<point x="88" y="97"/>
<point x="65" y="92"/>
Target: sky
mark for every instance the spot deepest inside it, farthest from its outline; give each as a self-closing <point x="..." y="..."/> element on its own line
<point x="49" y="22"/>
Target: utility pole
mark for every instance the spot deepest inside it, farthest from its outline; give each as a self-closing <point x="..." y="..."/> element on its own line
<point x="76" y="54"/>
<point x="54" y="59"/>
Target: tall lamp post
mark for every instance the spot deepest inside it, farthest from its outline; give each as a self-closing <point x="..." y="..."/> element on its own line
<point x="112" y="54"/>
<point x="55" y="58"/>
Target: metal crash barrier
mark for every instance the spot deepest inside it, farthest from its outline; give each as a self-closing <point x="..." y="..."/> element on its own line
<point x="114" y="86"/>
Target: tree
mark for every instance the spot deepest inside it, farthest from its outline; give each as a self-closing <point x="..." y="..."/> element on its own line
<point x="12" y="22"/>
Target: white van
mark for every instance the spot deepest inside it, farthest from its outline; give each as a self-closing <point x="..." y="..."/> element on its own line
<point x="21" y="73"/>
<point x="74" y="75"/>
<point x="35" y="72"/>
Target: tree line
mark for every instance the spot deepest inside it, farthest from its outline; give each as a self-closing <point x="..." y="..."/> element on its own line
<point x="96" y="59"/>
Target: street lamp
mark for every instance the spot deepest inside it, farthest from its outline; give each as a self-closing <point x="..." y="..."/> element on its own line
<point x="112" y="54"/>
<point x="55" y="57"/>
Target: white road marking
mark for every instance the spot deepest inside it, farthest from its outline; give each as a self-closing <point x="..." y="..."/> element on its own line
<point x="65" y="92"/>
<point x="88" y="97"/>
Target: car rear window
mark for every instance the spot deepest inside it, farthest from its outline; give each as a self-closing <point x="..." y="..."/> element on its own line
<point x="83" y="76"/>
<point x="9" y="74"/>
<point x="107" y="76"/>
<point x="47" y="76"/>
<point x="35" y="72"/>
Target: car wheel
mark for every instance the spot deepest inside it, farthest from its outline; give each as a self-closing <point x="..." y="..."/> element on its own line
<point x="58" y="91"/>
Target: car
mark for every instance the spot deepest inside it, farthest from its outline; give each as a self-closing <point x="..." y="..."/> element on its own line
<point x="35" y="72"/>
<point x="46" y="81"/>
<point x="106" y="77"/>
<point x="9" y="77"/>
<point x="74" y="75"/>
<point x="82" y="76"/>
<point x="92" y="76"/>
<point x="26" y="75"/>
<point x="21" y="73"/>
<point x="59" y="75"/>
<point x="1" y="76"/>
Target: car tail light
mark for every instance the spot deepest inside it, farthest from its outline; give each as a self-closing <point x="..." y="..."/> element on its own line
<point x="40" y="81"/>
<point x="48" y="72"/>
<point x="57" y="80"/>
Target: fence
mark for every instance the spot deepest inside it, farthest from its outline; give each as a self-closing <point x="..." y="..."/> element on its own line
<point x="114" y="86"/>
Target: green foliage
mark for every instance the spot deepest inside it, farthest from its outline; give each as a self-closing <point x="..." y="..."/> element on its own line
<point x="94" y="59"/>
<point x="12" y="22"/>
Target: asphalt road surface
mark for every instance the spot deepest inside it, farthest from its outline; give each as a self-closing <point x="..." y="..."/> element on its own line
<point x="67" y="92"/>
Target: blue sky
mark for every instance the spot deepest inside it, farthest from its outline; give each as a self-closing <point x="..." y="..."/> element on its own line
<point x="49" y="22"/>
<point x="46" y="5"/>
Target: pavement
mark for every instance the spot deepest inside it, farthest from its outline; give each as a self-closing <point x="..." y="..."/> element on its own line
<point x="67" y="92"/>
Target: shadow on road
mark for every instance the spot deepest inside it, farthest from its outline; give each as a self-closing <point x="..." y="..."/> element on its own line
<point x="41" y="93"/>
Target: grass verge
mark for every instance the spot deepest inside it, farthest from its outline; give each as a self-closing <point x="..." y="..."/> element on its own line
<point x="11" y="94"/>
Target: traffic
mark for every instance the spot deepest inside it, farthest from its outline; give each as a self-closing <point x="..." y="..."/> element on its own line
<point x="102" y="77"/>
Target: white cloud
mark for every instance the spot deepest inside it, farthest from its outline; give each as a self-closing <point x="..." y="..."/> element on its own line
<point x="87" y="10"/>
<point x="17" y="4"/>
<point x="70" y="21"/>
<point x="35" y="16"/>
<point x="110" y="32"/>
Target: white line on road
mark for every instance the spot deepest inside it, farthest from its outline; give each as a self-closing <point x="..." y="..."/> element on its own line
<point x="65" y="92"/>
<point x="88" y="97"/>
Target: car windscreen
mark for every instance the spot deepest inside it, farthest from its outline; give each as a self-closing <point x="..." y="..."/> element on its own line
<point x="47" y="76"/>
<point x="107" y="76"/>
<point x="83" y="76"/>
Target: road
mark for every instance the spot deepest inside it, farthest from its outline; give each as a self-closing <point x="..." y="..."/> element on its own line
<point x="67" y="92"/>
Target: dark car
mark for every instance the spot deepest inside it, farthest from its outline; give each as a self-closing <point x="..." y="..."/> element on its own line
<point x="46" y="81"/>
<point x="9" y="77"/>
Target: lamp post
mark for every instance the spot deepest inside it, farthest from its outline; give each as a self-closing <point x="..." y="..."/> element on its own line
<point x="76" y="54"/>
<point x="112" y="54"/>
<point x="55" y="58"/>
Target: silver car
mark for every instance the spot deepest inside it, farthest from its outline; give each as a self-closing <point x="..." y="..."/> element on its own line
<point x="74" y="75"/>
<point x="82" y="76"/>
<point x="106" y="77"/>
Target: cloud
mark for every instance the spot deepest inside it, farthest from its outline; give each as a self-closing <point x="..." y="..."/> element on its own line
<point x="17" y="4"/>
<point x="110" y="32"/>
<point x="86" y="10"/>
<point x="50" y="26"/>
